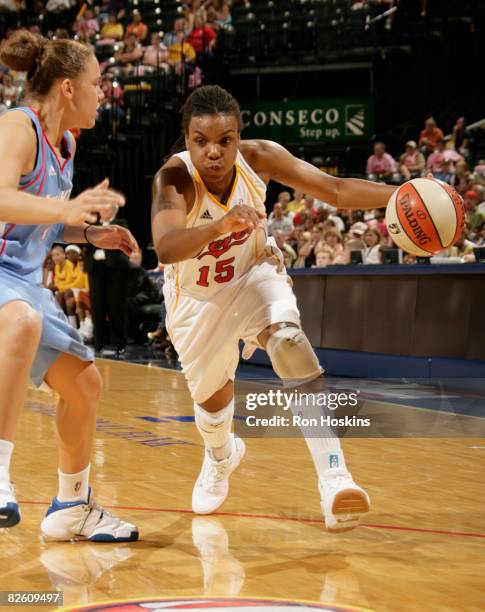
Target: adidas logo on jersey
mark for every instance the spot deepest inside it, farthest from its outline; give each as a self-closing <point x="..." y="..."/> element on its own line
<point x="52" y="172"/>
<point x="206" y="215"/>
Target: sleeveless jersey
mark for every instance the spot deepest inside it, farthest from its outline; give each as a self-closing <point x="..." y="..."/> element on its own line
<point x="23" y="248"/>
<point x="227" y="258"/>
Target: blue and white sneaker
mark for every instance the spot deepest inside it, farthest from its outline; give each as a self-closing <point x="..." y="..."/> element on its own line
<point x="85" y="520"/>
<point x="9" y="508"/>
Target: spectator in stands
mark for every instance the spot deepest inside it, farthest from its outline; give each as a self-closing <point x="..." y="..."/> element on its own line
<point x="480" y="235"/>
<point x="411" y="162"/>
<point x="131" y="53"/>
<point x="86" y="26"/>
<point x="48" y="273"/>
<point x="380" y="222"/>
<point x="474" y="217"/>
<point x="429" y="136"/>
<point x="381" y="166"/>
<point x="181" y="53"/>
<point x="279" y="221"/>
<point x="202" y="37"/>
<point x="479" y="172"/>
<point x="111" y="106"/>
<point x="137" y="27"/>
<point x="317" y="232"/>
<point x="463" y="248"/>
<point x="307" y="212"/>
<point x="323" y="257"/>
<point x="62" y="280"/>
<point x="156" y="54"/>
<point x="332" y="238"/>
<point x="179" y="25"/>
<point x="305" y="255"/>
<point x="78" y="282"/>
<point x="218" y="13"/>
<point x="353" y="241"/>
<point x="107" y="272"/>
<point x="373" y="241"/>
<point x="446" y="173"/>
<point x="434" y="161"/>
<point x="140" y="292"/>
<point x="289" y="254"/>
<point x="283" y="198"/>
<point x="458" y="133"/>
<point x="297" y="203"/>
<point x="480" y="189"/>
<point x="462" y="177"/>
<point x="112" y="31"/>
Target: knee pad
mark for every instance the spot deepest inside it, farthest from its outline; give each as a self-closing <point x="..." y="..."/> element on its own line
<point x="292" y="355"/>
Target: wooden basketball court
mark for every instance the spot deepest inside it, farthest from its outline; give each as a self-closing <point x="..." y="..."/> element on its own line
<point x="422" y="547"/>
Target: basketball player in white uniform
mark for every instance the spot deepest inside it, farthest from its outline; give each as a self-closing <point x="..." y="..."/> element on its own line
<point x="225" y="281"/>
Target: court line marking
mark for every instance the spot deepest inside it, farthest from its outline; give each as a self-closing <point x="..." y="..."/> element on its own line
<point x="469" y="534"/>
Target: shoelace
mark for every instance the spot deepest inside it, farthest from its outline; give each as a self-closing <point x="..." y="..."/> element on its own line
<point x="214" y="473"/>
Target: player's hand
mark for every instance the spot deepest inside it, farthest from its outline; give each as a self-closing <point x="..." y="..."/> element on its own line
<point x="240" y="218"/>
<point x="99" y="199"/>
<point x="112" y="237"/>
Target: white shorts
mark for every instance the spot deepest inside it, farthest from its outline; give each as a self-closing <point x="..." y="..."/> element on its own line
<point x="206" y="334"/>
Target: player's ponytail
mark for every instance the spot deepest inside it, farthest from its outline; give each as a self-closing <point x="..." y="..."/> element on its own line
<point x="42" y="59"/>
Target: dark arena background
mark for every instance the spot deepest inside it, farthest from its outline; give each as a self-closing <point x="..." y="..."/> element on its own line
<point x="383" y="90"/>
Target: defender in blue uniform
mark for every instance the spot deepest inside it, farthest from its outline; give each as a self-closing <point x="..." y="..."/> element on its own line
<point x="36" y="166"/>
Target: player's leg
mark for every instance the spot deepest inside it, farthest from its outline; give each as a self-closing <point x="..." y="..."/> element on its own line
<point x="20" y="330"/>
<point x="73" y="514"/>
<point x="223" y="450"/>
<point x="206" y="341"/>
<point x="295" y="362"/>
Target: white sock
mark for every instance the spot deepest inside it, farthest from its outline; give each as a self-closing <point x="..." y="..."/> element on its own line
<point x="326" y="451"/>
<point x="6" y="449"/>
<point x="74" y="487"/>
<point x="73" y="320"/>
<point x="215" y="428"/>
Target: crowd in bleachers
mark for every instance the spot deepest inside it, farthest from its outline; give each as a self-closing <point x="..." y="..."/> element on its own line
<point x="127" y="41"/>
<point x="73" y="275"/>
<point x="314" y="234"/>
<point x="447" y="159"/>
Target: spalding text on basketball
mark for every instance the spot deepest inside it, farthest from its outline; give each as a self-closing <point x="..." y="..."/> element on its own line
<point x="420" y="234"/>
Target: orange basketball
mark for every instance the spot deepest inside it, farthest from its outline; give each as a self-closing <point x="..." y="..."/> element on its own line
<point x="425" y="216"/>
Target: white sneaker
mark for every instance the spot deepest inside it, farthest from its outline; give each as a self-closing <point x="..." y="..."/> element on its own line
<point x="66" y="521"/>
<point x="212" y="485"/>
<point x="9" y="509"/>
<point x="343" y="502"/>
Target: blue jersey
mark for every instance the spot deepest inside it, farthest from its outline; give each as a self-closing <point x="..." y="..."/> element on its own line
<point x="23" y="248"/>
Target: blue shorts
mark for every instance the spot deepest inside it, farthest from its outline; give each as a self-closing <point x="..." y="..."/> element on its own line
<point x="58" y="336"/>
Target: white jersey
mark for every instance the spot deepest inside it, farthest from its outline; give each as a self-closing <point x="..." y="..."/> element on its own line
<point x="225" y="260"/>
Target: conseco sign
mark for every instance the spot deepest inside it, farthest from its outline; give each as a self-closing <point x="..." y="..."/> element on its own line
<point x="310" y="121"/>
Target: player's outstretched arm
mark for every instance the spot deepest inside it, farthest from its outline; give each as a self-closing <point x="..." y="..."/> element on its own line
<point x="17" y="154"/>
<point x="173" y="196"/>
<point x="271" y="159"/>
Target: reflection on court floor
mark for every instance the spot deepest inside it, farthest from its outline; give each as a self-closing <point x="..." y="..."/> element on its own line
<point x="421" y="547"/>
